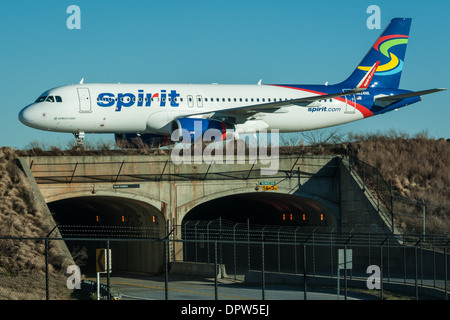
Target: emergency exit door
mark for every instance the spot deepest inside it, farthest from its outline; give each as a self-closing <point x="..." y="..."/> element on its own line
<point x="350" y="102"/>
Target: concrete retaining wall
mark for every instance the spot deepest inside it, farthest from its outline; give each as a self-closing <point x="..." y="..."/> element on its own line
<point x="197" y="269"/>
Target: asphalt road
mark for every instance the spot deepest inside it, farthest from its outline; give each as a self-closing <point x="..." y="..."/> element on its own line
<point x="153" y="288"/>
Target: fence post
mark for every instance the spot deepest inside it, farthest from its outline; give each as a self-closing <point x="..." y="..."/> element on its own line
<point x="207" y="239"/>
<point x="46" y="270"/>
<point x="295" y="250"/>
<point x="185" y="242"/>
<point x="305" y="297"/>
<point x="108" y="278"/>
<point x="234" y="250"/>
<point x="196" y="243"/>
<point x="381" y="272"/>
<point x="415" y="277"/>
<point x="166" y="269"/>
<point x="263" y="285"/>
<point x="345" y="271"/>
<point x="445" y="264"/>
<point x="248" y="243"/>
<point x="47" y="286"/>
<point x="220" y="238"/>
<point x="392" y="210"/>
<point x="215" y="270"/>
<point x="279" y="250"/>
<point x="314" y="252"/>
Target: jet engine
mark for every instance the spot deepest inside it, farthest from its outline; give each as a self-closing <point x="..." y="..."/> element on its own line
<point x="192" y="128"/>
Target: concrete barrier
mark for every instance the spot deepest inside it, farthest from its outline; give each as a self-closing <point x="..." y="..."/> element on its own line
<point x="197" y="269"/>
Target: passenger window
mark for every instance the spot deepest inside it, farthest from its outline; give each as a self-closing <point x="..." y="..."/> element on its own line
<point x="58" y="99"/>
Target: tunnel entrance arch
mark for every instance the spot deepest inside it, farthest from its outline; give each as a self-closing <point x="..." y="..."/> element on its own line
<point x="241" y="222"/>
<point x="119" y="219"/>
<point x="268" y="208"/>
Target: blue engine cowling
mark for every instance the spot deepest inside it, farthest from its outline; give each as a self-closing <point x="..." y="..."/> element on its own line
<point x="218" y="129"/>
<point x="133" y="140"/>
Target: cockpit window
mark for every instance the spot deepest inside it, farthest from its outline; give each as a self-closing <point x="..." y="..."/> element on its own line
<point x="40" y="99"/>
<point x="49" y="99"/>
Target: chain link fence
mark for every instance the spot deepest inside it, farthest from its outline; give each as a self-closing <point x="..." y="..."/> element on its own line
<point x="226" y="260"/>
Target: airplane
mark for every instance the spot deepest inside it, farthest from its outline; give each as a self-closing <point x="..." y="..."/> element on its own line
<point x="154" y="112"/>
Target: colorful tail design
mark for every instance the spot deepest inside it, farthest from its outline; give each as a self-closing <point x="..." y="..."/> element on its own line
<point x="390" y="50"/>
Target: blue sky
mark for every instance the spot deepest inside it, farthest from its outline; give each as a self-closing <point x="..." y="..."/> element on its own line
<point x="296" y="42"/>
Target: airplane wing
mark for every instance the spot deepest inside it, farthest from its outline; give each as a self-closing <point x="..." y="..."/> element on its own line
<point x="276" y="106"/>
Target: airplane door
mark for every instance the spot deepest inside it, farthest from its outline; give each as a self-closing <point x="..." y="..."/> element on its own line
<point x="84" y="99"/>
<point x="349" y="102"/>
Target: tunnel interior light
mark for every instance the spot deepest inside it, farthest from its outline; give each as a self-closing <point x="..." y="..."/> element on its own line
<point x="321" y="217"/>
<point x="304" y="217"/>
<point x="291" y="217"/>
<point x="284" y="216"/>
<point x="154" y="219"/>
<point x="123" y="218"/>
<point x="97" y="218"/>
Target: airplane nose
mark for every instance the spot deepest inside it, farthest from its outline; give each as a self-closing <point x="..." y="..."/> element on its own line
<point x="23" y="116"/>
<point x="26" y="115"/>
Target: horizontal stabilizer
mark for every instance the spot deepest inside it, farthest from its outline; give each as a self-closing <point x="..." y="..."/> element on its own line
<point x="398" y="97"/>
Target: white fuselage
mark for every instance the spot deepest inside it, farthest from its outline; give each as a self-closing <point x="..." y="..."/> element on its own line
<point x="139" y="108"/>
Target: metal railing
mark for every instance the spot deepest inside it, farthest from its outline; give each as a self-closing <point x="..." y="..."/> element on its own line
<point x="391" y="204"/>
<point x="159" y="170"/>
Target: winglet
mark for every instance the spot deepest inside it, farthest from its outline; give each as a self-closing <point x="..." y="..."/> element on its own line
<point x="365" y="81"/>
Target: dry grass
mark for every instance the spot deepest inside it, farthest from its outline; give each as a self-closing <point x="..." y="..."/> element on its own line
<point x="417" y="166"/>
<point x="20" y="217"/>
<point x="419" y="169"/>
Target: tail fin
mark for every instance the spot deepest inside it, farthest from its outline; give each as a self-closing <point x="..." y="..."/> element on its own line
<point x="390" y="50"/>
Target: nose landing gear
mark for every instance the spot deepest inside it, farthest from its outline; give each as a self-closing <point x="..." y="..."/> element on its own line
<point x="80" y="138"/>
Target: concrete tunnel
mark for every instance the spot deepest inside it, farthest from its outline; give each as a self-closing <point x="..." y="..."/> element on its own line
<point x="131" y="219"/>
<point x="268" y="208"/>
